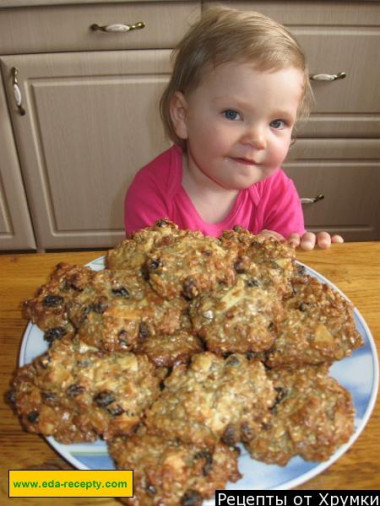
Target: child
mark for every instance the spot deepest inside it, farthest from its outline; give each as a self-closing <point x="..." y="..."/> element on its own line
<point x="239" y="84"/>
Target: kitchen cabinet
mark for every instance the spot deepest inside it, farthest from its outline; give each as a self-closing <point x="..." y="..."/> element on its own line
<point x="16" y="230"/>
<point x="91" y="118"/>
<point x="337" y="151"/>
<point x="91" y="121"/>
<point x="88" y="118"/>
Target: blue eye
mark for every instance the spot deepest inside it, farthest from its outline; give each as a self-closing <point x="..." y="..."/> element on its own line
<point x="231" y="115"/>
<point x="278" y="124"/>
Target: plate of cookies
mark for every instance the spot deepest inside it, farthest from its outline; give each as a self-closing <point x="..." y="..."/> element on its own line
<point x="201" y="363"/>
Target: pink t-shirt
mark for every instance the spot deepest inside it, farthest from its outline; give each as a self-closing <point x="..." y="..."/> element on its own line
<point x="156" y="192"/>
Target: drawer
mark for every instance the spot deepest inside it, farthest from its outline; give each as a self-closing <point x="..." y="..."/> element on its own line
<point x="349" y="106"/>
<point x="336" y="37"/>
<point x="68" y="27"/>
<point x="347" y="173"/>
<point x="334" y="149"/>
<point x="351" y="203"/>
<point x="318" y="13"/>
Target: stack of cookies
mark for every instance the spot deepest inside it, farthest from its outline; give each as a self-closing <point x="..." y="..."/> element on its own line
<point x="183" y="349"/>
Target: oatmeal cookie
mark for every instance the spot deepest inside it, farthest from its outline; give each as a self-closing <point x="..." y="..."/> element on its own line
<point x="110" y="310"/>
<point x="169" y="350"/>
<point x="237" y="239"/>
<point x="318" y="326"/>
<point x="313" y="416"/>
<point x="76" y="394"/>
<point x="264" y="259"/>
<point x="118" y="320"/>
<point x="172" y="473"/>
<point x="104" y="288"/>
<point x="238" y="319"/>
<point x="190" y="265"/>
<point x="48" y="309"/>
<point x="132" y="252"/>
<point x="62" y="306"/>
<point x="213" y="399"/>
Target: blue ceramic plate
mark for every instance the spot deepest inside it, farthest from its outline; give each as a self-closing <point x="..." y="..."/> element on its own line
<point x="359" y="374"/>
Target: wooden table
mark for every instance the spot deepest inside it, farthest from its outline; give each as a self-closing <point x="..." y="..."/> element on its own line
<point x="353" y="267"/>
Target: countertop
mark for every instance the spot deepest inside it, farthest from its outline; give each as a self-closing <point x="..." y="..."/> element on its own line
<point x="353" y="267"/>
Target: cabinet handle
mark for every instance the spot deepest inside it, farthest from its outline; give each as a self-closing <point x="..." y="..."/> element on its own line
<point x="312" y="200"/>
<point x="118" y="27"/>
<point x="17" y="92"/>
<point x="328" y="77"/>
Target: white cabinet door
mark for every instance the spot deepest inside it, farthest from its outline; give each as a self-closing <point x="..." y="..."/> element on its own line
<point x="91" y="121"/>
<point x="15" y="225"/>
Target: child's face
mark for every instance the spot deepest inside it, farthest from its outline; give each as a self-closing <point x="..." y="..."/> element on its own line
<point x="238" y="122"/>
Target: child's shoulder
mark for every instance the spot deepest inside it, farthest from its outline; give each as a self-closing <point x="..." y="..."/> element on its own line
<point x="170" y="158"/>
<point x="164" y="170"/>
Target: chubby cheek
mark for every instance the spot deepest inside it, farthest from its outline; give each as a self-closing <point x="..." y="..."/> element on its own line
<point x="220" y="142"/>
<point x="212" y="143"/>
<point x="278" y="153"/>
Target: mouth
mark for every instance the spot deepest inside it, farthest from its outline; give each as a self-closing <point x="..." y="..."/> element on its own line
<point x="245" y="161"/>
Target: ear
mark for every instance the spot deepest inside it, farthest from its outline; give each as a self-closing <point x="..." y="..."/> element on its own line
<point x="178" y="114"/>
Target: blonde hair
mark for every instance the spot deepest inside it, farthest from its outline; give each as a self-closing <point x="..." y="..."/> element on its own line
<point x="224" y="35"/>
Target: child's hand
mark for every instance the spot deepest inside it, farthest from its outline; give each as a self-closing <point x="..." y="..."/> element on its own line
<point x="309" y="240"/>
<point x="264" y="234"/>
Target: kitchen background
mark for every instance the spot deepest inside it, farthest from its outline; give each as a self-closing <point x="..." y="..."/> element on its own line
<point x="79" y="113"/>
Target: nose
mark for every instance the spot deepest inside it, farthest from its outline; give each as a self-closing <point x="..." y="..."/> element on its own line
<point x="254" y="136"/>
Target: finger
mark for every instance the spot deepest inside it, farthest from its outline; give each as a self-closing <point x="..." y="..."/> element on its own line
<point x="272" y="233"/>
<point x="261" y="236"/>
<point x="323" y="240"/>
<point x="294" y="240"/>
<point x="337" y="239"/>
<point x="308" y="241"/>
